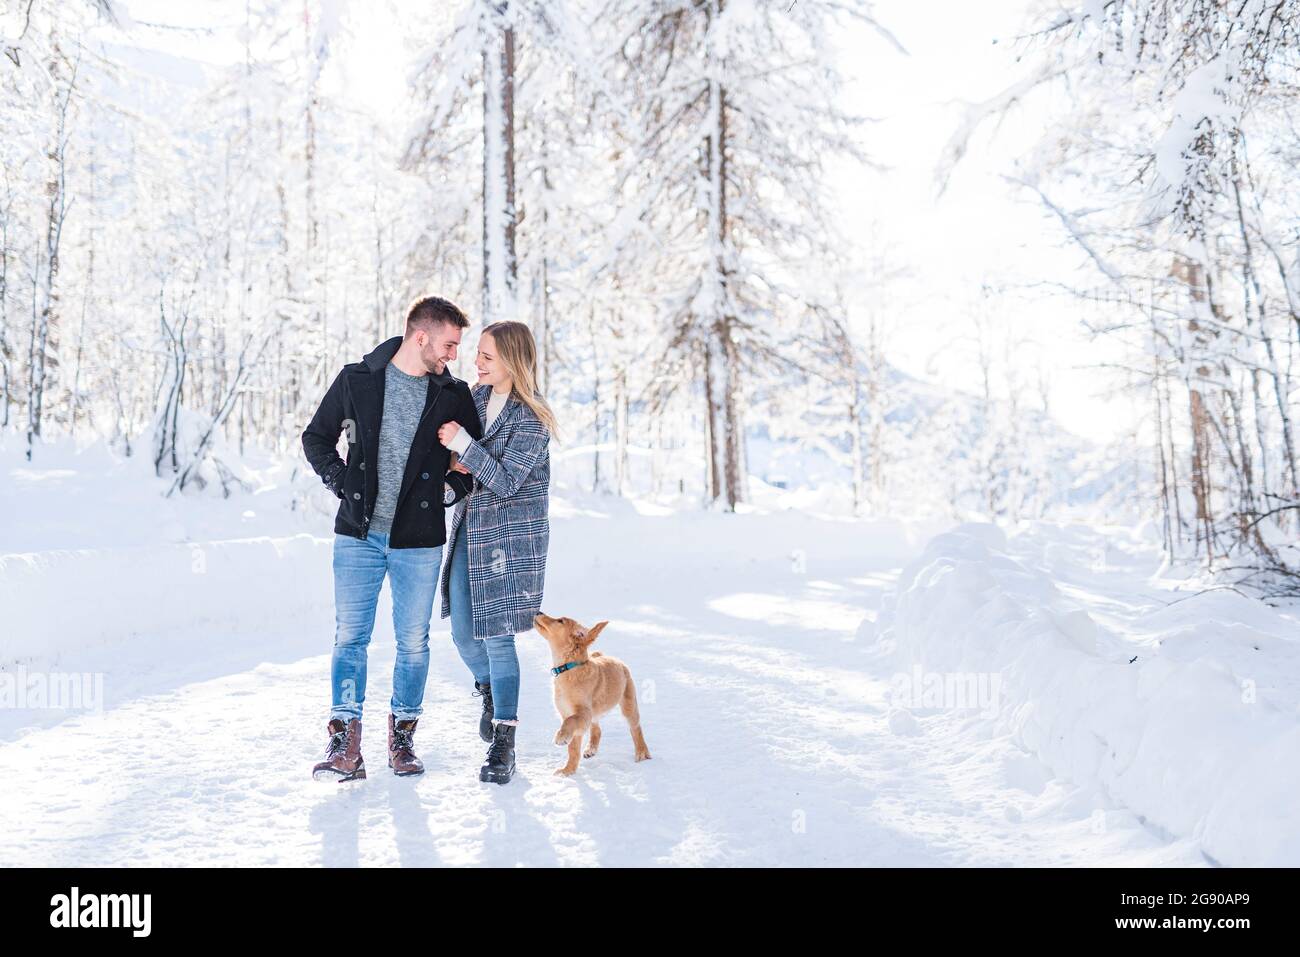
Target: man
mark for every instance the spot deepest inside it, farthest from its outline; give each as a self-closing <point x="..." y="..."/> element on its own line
<point x="392" y="490"/>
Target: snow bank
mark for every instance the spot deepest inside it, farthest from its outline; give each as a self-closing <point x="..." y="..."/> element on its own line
<point x="61" y="602"/>
<point x="92" y="555"/>
<point x="1181" y="738"/>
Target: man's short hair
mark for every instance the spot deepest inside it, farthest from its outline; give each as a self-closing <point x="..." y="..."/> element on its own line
<point x="430" y="312"/>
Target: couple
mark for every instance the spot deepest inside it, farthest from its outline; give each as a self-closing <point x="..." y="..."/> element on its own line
<point x="420" y="440"/>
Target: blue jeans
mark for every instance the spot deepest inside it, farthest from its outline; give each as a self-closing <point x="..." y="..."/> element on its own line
<point x="492" y="661"/>
<point x="359" y="569"/>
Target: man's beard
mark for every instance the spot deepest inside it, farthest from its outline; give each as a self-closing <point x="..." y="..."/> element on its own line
<point x="432" y="364"/>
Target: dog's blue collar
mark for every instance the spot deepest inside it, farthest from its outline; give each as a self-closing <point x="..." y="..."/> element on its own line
<point x="565" y="667"/>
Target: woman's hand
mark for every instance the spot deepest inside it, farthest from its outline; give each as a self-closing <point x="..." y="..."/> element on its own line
<point x="456" y="465"/>
<point x="447" y="431"/>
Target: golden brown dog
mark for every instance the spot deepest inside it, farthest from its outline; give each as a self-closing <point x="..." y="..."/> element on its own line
<point x="587" y="689"/>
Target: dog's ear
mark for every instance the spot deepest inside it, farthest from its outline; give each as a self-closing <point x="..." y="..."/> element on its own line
<point x="593" y="631"/>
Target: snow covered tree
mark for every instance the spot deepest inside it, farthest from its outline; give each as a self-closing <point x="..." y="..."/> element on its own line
<point x="736" y="114"/>
<point x="1167" y="166"/>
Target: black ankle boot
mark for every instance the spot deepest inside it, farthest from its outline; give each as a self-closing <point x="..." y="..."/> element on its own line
<point x="499" y="767"/>
<point x="485" y="719"/>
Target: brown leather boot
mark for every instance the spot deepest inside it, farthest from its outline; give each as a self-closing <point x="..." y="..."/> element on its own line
<point x="401" y="747"/>
<point x="343" y="759"/>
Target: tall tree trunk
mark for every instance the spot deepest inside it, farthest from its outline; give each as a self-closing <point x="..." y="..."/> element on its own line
<point x="620" y="432"/>
<point x="75" y="404"/>
<point x="727" y="472"/>
<point x="857" y="454"/>
<point x="875" y="406"/>
<point x="314" y="254"/>
<point x="167" y="434"/>
<point x="287" y="384"/>
<point x="499" y="269"/>
<point x="6" y="350"/>
<point x="542" y="291"/>
<point x="714" y="421"/>
<point x="595" y="399"/>
<point x="44" y="341"/>
<point x="1281" y="382"/>
<point x="1193" y="276"/>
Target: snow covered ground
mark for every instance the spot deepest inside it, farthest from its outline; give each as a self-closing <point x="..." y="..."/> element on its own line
<point x="786" y="663"/>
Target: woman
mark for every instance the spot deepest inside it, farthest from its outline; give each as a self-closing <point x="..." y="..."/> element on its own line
<point x="495" y="566"/>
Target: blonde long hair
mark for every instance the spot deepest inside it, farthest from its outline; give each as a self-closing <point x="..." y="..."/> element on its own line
<point x="518" y="353"/>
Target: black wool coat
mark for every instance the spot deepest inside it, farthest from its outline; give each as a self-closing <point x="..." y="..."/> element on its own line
<point x="354" y="406"/>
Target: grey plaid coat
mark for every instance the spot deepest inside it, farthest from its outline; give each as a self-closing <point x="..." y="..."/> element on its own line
<point x="506" y="516"/>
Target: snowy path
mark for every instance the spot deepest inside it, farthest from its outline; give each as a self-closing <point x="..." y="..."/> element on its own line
<point x="768" y="733"/>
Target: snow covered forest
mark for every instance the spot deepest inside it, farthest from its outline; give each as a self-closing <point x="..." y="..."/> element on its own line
<point x="226" y="238"/>
<point x="188" y="252"/>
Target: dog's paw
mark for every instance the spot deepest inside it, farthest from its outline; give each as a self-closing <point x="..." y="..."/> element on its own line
<point x="563" y="773"/>
<point x="589" y="753"/>
<point x="643" y="756"/>
<point x="562" y="738"/>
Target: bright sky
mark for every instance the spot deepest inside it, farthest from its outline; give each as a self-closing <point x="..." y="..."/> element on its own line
<point x="982" y="231"/>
